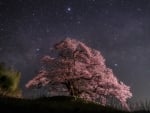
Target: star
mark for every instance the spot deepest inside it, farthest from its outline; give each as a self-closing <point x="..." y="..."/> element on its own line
<point x="78" y="22"/>
<point x="2" y="29"/>
<point x="33" y="14"/>
<point x="115" y="64"/>
<point x="1" y="49"/>
<point x="47" y="30"/>
<point x="139" y="9"/>
<point x="37" y="49"/>
<point x="68" y="9"/>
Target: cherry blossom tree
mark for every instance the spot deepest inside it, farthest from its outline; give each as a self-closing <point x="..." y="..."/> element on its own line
<point x="80" y="71"/>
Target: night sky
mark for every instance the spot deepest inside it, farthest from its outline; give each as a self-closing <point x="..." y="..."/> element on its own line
<point x="120" y="29"/>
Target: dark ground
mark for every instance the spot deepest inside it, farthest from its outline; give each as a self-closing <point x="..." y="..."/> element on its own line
<point x="60" y="104"/>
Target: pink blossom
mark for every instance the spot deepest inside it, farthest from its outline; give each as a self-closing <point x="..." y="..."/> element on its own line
<point x="79" y="70"/>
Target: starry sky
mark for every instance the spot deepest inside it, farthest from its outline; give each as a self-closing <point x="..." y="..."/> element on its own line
<point x="120" y="29"/>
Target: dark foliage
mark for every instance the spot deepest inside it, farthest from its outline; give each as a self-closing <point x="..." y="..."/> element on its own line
<point x="9" y="81"/>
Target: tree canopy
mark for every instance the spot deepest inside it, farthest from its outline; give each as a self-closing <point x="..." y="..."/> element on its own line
<point x="79" y="70"/>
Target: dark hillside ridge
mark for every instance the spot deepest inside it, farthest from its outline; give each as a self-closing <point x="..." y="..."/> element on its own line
<point x="57" y="104"/>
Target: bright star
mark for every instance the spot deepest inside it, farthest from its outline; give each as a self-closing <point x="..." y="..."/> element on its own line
<point x="68" y="9"/>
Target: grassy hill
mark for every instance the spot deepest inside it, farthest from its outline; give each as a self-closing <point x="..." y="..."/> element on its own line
<point x="58" y="104"/>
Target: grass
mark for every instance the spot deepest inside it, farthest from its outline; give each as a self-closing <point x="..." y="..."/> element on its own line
<point x="57" y="104"/>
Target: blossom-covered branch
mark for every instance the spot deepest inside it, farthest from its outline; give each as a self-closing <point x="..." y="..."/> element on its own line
<point x="80" y="71"/>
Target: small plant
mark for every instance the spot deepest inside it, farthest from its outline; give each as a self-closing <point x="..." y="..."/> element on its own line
<point x="9" y="82"/>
